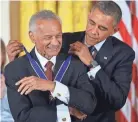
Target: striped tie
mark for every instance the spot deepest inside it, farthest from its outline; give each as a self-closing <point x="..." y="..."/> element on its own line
<point x="93" y="51"/>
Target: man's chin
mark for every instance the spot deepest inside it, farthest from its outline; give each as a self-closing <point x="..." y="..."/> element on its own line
<point x="91" y="43"/>
<point x="50" y="56"/>
<point x="54" y="54"/>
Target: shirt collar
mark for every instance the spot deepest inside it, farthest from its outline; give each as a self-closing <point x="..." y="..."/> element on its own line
<point x="43" y="60"/>
<point x="97" y="46"/>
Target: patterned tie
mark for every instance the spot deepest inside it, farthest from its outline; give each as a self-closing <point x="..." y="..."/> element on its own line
<point x="49" y="72"/>
<point x="93" y="51"/>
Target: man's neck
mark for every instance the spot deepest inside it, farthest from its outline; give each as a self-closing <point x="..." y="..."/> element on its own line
<point x="97" y="46"/>
<point x="43" y="59"/>
<point x="44" y="55"/>
<point x="47" y="57"/>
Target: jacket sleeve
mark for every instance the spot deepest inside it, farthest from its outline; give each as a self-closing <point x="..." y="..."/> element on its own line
<point x="21" y="107"/>
<point x="114" y="90"/>
<point x="82" y="96"/>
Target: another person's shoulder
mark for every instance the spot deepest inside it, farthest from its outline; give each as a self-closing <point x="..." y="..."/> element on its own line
<point x="69" y="38"/>
<point x="78" y="65"/>
<point x="73" y="33"/>
<point x="18" y="63"/>
<point x="74" y="36"/>
<point x="76" y="62"/>
<point x="122" y="46"/>
<point x="15" y="70"/>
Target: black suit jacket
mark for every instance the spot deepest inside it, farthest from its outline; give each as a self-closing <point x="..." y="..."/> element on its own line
<point x="112" y="81"/>
<point x="36" y="107"/>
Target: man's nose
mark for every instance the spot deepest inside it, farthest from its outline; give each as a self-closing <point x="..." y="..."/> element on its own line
<point x="94" y="30"/>
<point x="54" y="41"/>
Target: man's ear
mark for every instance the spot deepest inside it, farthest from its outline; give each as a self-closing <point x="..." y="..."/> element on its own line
<point x="31" y="36"/>
<point x="116" y="29"/>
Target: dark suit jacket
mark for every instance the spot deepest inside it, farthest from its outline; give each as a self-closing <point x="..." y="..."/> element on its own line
<point x="112" y="81"/>
<point x="36" y="107"/>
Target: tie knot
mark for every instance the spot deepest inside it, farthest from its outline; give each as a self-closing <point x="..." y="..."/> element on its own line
<point x="49" y="65"/>
<point x="92" y="48"/>
<point x="93" y="51"/>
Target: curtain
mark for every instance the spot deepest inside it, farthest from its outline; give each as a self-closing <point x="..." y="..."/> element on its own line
<point x="72" y="13"/>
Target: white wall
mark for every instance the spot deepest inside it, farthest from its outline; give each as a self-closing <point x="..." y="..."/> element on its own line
<point x="4" y="21"/>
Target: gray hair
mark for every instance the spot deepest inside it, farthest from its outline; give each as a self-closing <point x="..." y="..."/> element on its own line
<point x="109" y="8"/>
<point x="44" y="14"/>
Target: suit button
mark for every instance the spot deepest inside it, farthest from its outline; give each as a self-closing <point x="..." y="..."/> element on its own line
<point x="64" y="119"/>
<point x="58" y="94"/>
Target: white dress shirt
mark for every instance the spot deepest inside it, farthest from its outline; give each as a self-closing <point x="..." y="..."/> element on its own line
<point x="61" y="91"/>
<point x="93" y="71"/>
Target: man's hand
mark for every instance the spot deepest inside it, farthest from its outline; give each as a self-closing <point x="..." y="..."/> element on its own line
<point x="77" y="113"/>
<point x="13" y="49"/>
<point x="28" y="84"/>
<point x="82" y="51"/>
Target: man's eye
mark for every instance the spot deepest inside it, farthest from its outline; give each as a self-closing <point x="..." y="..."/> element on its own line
<point x="58" y="36"/>
<point x="48" y="38"/>
<point x="91" y="22"/>
<point x="102" y="28"/>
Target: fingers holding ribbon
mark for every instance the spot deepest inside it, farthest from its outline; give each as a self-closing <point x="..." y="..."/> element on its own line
<point x="75" y="47"/>
<point x="13" y="49"/>
<point x="82" y="51"/>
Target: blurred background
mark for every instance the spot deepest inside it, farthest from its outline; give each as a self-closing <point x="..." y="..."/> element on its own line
<point x="15" y="17"/>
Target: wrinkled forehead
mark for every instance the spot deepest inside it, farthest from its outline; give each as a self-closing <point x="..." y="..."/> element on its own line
<point x="48" y="26"/>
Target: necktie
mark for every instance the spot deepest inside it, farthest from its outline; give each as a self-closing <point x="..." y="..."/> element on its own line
<point x="93" y="51"/>
<point x="49" y="75"/>
<point x="49" y="72"/>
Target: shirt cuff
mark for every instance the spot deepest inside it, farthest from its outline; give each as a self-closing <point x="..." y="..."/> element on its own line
<point x="93" y="71"/>
<point x="63" y="114"/>
<point x="61" y="92"/>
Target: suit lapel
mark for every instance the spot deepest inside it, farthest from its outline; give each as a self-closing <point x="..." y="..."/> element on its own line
<point x="33" y="55"/>
<point x="105" y="53"/>
<point x="59" y="60"/>
<point x="82" y="37"/>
